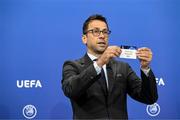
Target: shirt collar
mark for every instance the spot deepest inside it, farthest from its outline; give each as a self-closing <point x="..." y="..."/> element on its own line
<point x="92" y="57"/>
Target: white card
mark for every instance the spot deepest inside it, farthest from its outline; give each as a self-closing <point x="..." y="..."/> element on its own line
<point x="128" y="52"/>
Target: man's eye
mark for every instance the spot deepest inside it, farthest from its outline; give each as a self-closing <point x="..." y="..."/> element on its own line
<point x="106" y="32"/>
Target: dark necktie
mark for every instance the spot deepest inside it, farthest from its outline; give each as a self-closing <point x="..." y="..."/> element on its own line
<point x="103" y="80"/>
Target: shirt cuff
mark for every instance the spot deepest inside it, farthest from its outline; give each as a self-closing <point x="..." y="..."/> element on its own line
<point x="146" y="71"/>
<point x="97" y="68"/>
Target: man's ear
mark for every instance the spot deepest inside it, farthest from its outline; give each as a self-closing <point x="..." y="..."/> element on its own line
<point x="84" y="39"/>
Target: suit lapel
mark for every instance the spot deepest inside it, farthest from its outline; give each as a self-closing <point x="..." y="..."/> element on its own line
<point x="86" y="61"/>
<point x="111" y="72"/>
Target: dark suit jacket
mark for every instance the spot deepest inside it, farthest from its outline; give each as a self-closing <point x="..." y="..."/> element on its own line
<point x="87" y="94"/>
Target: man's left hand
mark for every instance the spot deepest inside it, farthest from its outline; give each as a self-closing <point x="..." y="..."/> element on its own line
<point x="145" y="56"/>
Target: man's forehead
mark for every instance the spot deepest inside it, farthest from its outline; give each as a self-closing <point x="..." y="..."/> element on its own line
<point x="97" y="24"/>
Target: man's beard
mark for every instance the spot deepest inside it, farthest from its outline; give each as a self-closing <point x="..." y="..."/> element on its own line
<point x="99" y="51"/>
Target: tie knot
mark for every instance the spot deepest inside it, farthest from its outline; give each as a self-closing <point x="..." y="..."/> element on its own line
<point x="95" y="59"/>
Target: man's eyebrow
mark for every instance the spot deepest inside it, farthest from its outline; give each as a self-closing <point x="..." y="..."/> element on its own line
<point x="99" y="28"/>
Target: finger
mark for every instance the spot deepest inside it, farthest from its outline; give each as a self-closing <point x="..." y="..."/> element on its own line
<point x="144" y="55"/>
<point x="144" y="49"/>
<point x="144" y="58"/>
<point x="115" y="53"/>
<point x="115" y="48"/>
<point x="118" y="49"/>
<point x="111" y="55"/>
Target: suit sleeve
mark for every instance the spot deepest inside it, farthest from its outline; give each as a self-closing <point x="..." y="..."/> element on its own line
<point x="76" y="80"/>
<point x="143" y="90"/>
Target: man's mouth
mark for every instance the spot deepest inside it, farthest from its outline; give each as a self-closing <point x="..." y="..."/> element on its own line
<point x="101" y="43"/>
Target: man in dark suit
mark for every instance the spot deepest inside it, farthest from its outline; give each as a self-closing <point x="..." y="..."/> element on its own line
<point x="97" y="85"/>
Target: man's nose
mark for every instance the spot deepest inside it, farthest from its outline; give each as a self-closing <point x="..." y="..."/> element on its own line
<point x="101" y="34"/>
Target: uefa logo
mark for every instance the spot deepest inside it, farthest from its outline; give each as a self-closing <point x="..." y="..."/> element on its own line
<point x="153" y="110"/>
<point x="29" y="111"/>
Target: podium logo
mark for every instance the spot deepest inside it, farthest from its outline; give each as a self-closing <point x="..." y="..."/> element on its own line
<point x="29" y="111"/>
<point x="29" y="84"/>
<point x="153" y="110"/>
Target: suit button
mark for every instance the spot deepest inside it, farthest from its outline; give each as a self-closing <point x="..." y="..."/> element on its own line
<point x="91" y="77"/>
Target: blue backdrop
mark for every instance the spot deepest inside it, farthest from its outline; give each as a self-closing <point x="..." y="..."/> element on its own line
<point x="37" y="36"/>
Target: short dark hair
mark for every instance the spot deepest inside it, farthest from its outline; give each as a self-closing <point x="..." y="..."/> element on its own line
<point x="91" y="18"/>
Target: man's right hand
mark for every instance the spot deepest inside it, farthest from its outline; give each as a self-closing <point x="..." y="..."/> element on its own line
<point x="110" y="52"/>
